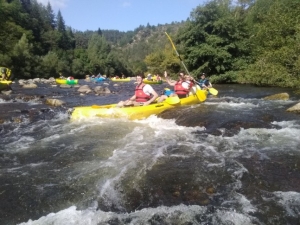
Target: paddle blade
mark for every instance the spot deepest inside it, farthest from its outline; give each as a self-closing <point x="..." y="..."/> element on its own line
<point x="201" y="95"/>
<point x="172" y="100"/>
<point x="213" y="91"/>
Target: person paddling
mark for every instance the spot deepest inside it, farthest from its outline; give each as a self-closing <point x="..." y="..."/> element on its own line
<point x="144" y="94"/>
<point x="181" y="86"/>
<point x="3" y="74"/>
<point x="204" y="83"/>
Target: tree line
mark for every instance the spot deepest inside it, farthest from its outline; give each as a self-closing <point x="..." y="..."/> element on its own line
<point x="241" y="41"/>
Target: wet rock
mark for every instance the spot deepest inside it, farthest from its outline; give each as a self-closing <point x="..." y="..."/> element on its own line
<point x="27" y="98"/>
<point x="65" y="86"/>
<point x="176" y="193"/>
<point x="295" y="108"/>
<point x="16" y="120"/>
<point x="35" y="80"/>
<point x="210" y="190"/>
<point x="84" y="89"/>
<point x="6" y="92"/>
<point x="102" y="90"/>
<point x="280" y="96"/>
<point x="52" y="79"/>
<point x="30" y="85"/>
<point x="21" y="82"/>
<point x="54" y="102"/>
<point x="196" y="197"/>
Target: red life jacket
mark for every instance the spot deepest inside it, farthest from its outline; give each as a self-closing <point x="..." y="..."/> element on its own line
<point x="179" y="89"/>
<point x="140" y="95"/>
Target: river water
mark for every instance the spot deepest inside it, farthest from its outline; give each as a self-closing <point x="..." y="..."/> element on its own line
<point x="234" y="159"/>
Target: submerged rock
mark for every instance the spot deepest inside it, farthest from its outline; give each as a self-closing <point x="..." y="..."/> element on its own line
<point x="30" y="85"/>
<point x="54" y="102"/>
<point x="102" y="90"/>
<point x="84" y="89"/>
<point x="295" y="108"/>
<point x="280" y="96"/>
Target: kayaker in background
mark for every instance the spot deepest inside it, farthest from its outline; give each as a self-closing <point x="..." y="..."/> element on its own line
<point x="158" y="78"/>
<point x="182" y="87"/>
<point x="144" y="94"/>
<point x="4" y="74"/>
<point x="204" y="83"/>
<point x="149" y="76"/>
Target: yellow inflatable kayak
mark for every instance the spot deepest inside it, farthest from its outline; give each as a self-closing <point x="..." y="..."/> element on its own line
<point x="65" y="81"/>
<point x="134" y="112"/>
<point x="121" y="79"/>
<point x="152" y="81"/>
<point x="4" y="84"/>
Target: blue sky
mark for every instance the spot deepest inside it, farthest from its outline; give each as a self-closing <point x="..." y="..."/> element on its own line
<point x="122" y="15"/>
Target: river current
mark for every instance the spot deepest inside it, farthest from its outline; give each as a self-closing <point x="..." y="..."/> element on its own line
<point x="234" y="159"/>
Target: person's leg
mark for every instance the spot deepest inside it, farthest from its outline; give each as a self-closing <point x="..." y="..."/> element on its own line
<point x="161" y="98"/>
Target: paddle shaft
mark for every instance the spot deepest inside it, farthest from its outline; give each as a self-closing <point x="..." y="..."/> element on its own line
<point x="180" y="58"/>
<point x="178" y="54"/>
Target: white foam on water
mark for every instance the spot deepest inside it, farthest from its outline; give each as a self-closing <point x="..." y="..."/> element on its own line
<point x="135" y="147"/>
<point x="180" y="214"/>
<point x="290" y="201"/>
<point x="23" y="143"/>
<point x="259" y="140"/>
<point x="234" y="105"/>
<point x="232" y="217"/>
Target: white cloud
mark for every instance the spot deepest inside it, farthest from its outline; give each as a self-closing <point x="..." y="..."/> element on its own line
<point x="56" y="4"/>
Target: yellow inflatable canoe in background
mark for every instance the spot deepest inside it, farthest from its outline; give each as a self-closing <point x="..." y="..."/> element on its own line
<point x="152" y="81"/>
<point x="4" y="84"/>
<point x="120" y="79"/>
<point x="65" y="81"/>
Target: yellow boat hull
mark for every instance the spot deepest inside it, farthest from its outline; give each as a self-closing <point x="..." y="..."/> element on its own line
<point x="132" y="113"/>
<point x="4" y="84"/>
<point x="121" y="80"/>
<point x="152" y="81"/>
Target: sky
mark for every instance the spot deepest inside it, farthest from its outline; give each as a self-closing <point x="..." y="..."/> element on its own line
<point x="122" y="15"/>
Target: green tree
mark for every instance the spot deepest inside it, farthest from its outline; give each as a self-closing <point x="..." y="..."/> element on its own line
<point x="98" y="50"/>
<point x="23" y="59"/>
<point x="215" y="39"/>
<point x="275" y="43"/>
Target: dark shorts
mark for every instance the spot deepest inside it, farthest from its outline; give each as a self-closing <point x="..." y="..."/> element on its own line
<point x="182" y="96"/>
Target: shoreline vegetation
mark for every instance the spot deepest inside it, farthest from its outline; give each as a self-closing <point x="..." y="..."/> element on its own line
<point x="232" y="42"/>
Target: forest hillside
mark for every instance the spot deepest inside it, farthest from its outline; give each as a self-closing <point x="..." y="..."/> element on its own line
<point x="243" y="41"/>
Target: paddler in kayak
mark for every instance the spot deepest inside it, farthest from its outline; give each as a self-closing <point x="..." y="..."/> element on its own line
<point x="204" y="82"/>
<point x="3" y="74"/>
<point x="144" y="94"/>
<point x="182" y="86"/>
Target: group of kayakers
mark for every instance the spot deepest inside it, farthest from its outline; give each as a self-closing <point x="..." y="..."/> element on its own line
<point x="151" y="77"/>
<point x="145" y="94"/>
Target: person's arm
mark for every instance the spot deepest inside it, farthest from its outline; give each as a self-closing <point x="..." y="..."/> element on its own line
<point x="170" y="82"/>
<point x="154" y="96"/>
<point x="132" y="98"/>
<point x="208" y="84"/>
